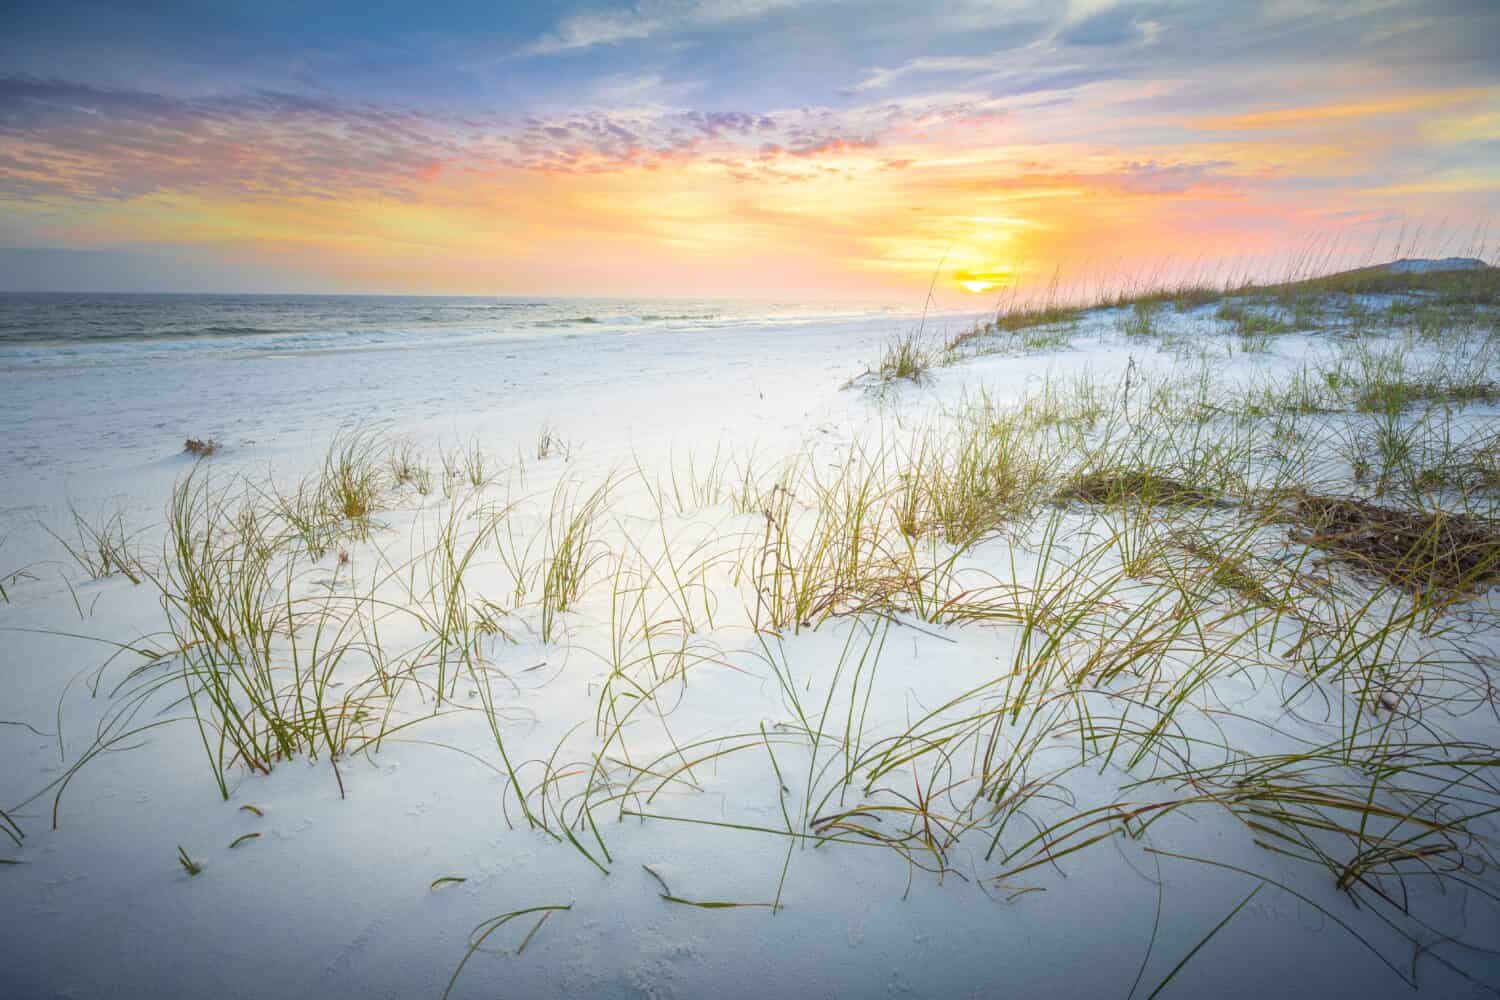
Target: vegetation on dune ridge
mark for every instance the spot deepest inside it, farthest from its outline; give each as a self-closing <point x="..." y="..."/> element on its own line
<point x="1032" y="320"/>
<point x="1260" y="604"/>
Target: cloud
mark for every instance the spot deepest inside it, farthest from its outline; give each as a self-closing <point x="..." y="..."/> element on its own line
<point x="60" y="137"/>
<point x="1155" y="177"/>
<point x="64" y="139"/>
<point x="1317" y="115"/>
<point x="650" y="19"/>
<point x="1116" y="26"/>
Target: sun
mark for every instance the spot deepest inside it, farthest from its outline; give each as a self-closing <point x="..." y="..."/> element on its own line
<point x="979" y="282"/>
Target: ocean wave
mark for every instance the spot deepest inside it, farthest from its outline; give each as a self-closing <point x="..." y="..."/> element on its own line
<point x="107" y="328"/>
<point x="627" y="319"/>
<point x="235" y="331"/>
<point x="120" y="332"/>
<point x="562" y="321"/>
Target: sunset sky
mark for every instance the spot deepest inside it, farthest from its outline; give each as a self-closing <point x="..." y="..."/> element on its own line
<point x="727" y="147"/>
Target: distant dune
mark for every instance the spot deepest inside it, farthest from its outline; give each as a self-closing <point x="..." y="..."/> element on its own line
<point x="1424" y="265"/>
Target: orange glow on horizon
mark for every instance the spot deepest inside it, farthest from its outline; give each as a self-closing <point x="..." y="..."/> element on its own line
<point x="997" y="201"/>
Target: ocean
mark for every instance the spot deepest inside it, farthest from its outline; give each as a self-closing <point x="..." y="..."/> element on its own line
<point x="64" y="328"/>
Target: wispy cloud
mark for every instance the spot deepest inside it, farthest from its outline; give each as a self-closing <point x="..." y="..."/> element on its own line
<point x="63" y="138"/>
<point x="651" y="19"/>
<point x="71" y="140"/>
<point x="1315" y="115"/>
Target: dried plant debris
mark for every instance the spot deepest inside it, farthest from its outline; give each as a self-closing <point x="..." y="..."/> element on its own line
<point x="1420" y="551"/>
<point x="200" y="447"/>
<point x="1116" y="486"/>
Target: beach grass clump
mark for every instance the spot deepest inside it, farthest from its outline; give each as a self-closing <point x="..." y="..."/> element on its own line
<point x="834" y="544"/>
<point x="1435" y="305"/>
<point x="1018" y="318"/>
<point x="573" y="549"/>
<point x="407" y="467"/>
<point x="1051" y="337"/>
<point x="1384" y="451"/>
<point x="304" y="514"/>
<point x="1116" y="487"/>
<point x="795" y="569"/>
<point x="258" y="654"/>
<point x="1432" y="453"/>
<point x="469" y="464"/>
<point x="193" y="867"/>
<point x="988" y="473"/>
<point x="1305" y="392"/>
<point x="353" y="479"/>
<point x="1389" y="379"/>
<point x="1479" y="286"/>
<point x="1247" y="321"/>
<point x="550" y="443"/>
<point x="1431" y="319"/>
<point x="101" y="547"/>
<point x="1230" y="564"/>
<point x="1142" y="319"/>
<point x="695" y="484"/>
<point x="956" y="344"/>
<point x="9" y="578"/>
<point x="1381" y="395"/>
<point x="1472" y="467"/>
<point x="996" y="337"/>
<point x="906" y="357"/>
<point x="1375" y="817"/>
<point x="1069" y="406"/>
<point x="352" y="486"/>
<point x="1043" y="337"/>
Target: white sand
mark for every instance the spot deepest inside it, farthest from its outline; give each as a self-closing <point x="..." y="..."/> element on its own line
<point x="333" y="898"/>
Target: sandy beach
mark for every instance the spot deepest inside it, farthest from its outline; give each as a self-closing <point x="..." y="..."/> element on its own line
<point x="858" y="687"/>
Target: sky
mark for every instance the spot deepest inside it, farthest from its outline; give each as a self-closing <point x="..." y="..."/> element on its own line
<point x="746" y="148"/>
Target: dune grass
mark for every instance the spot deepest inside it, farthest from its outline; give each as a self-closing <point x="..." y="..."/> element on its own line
<point x="12" y="576"/>
<point x="1312" y="296"/>
<point x="101" y="547"/>
<point x="408" y="467"/>
<point x="908" y="357"/>
<point x="192" y="867"/>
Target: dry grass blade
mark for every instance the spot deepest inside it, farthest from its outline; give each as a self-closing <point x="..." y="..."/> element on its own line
<point x="481" y="933"/>
<point x="11" y="828"/>
<point x="103" y="546"/>
<point x="1206" y="938"/>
